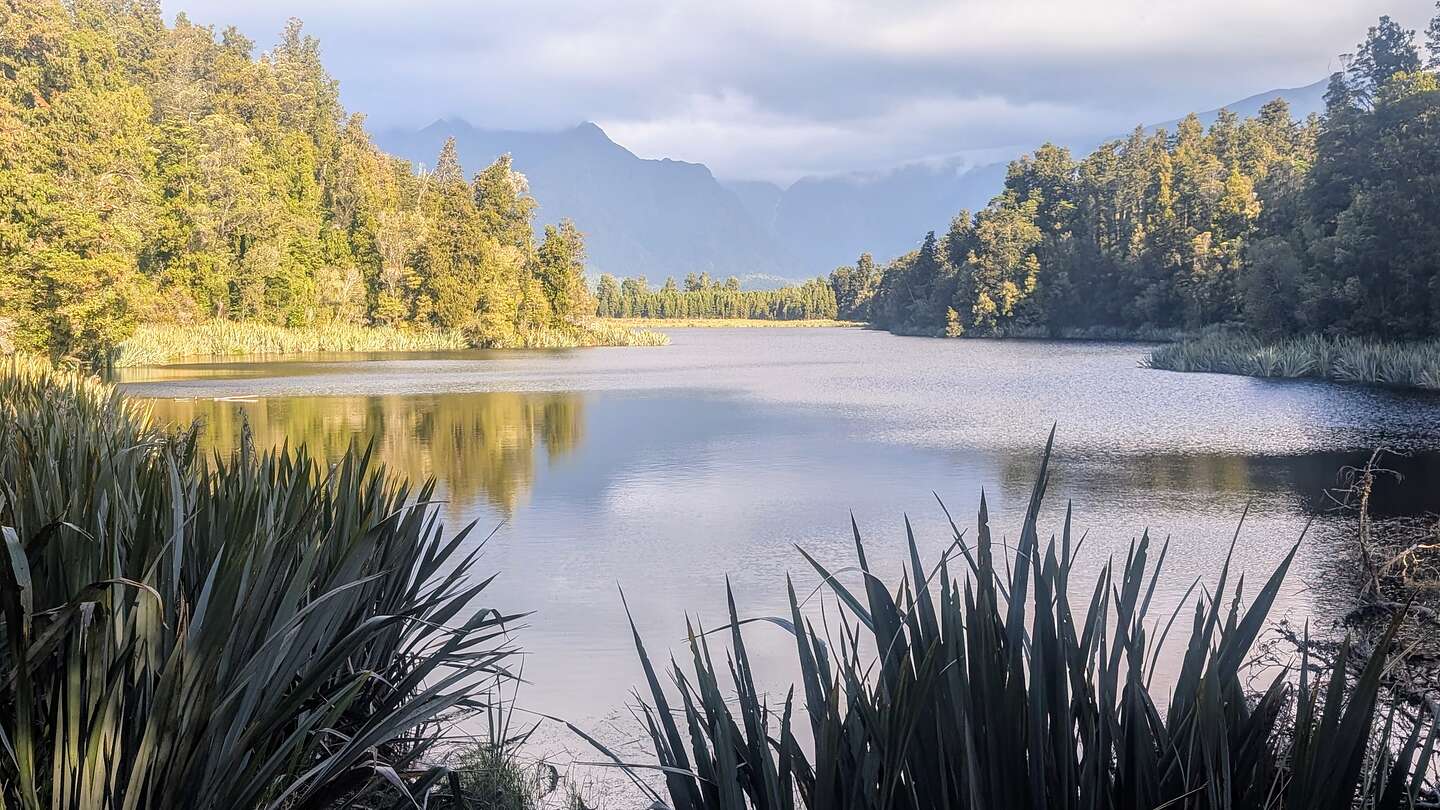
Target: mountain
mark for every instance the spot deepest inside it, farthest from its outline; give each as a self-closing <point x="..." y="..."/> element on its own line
<point x="655" y="218"/>
<point x="760" y="198"/>
<point x="661" y="218"/>
<point x="1303" y="101"/>
<point x="822" y="223"/>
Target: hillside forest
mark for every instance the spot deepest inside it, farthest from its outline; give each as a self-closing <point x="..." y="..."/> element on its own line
<point x="1329" y="225"/>
<point x="156" y="173"/>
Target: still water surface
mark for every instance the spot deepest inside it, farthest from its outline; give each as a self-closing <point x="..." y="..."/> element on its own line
<point x="663" y="471"/>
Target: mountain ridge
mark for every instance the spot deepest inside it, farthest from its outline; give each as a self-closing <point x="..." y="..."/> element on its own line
<point x="661" y="217"/>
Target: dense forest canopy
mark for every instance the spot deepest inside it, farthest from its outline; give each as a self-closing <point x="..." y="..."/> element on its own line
<point x="154" y="173"/>
<point x="1328" y="225"/>
<point x="702" y="298"/>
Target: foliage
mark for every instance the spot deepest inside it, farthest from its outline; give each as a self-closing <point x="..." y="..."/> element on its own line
<point x="993" y="691"/>
<point x="701" y="298"/>
<point x="160" y="174"/>
<point x="257" y="631"/>
<point x="1329" y="225"/>
<point x="1355" y="360"/>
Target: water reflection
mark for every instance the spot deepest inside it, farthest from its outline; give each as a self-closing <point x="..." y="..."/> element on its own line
<point x="475" y="445"/>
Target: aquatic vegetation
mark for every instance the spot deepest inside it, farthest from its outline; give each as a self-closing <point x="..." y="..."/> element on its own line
<point x="1353" y="360"/>
<point x="157" y="344"/>
<point x="260" y="630"/>
<point x="983" y="685"/>
<point x="728" y="323"/>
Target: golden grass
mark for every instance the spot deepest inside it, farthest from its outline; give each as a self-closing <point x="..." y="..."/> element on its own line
<point x="724" y="323"/>
<point x="155" y="344"/>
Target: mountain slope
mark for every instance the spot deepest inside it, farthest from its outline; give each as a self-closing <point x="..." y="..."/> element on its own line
<point x="824" y="222"/>
<point x="641" y="217"/>
<point x="1303" y="101"/>
<point x="661" y="218"/>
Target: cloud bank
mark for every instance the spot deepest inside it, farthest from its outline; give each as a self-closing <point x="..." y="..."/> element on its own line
<point x="779" y="90"/>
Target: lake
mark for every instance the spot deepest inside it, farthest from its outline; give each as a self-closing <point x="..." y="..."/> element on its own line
<point x="663" y="471"/>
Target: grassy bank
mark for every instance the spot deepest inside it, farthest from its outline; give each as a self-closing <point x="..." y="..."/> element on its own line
<point x="1350" y="360"/>
<point x="157" y="344"/>
<point x="262" y="631"/>
<point x="981" y="683"/>
<point x="723" y="323"/>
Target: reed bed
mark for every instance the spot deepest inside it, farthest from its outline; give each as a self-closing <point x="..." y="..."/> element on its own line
<point x="977" y="685"/>
<point x="1351" y="360"/>
<point x="259" y="631"/>
<point x="597" y="332"/>
<point x="159" y="344"/>
<point x="728" y="323"/>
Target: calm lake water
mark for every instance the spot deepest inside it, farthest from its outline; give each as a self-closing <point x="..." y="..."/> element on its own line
<point x="663" y="471"/>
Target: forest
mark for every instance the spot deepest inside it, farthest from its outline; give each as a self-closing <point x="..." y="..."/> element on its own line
<point x="166" y="174"/>
<point x="1327" y="226"/>
<point x="702" y="298"/>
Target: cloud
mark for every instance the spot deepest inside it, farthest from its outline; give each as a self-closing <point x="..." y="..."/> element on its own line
<point x="756" y="88"/>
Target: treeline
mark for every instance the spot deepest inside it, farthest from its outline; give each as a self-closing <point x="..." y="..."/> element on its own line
<point x="702" y="298"/>
<point x="154" y="173"/>
<point x="1330" y="225"/>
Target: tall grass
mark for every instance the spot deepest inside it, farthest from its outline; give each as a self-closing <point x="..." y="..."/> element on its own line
<point x="157" y="344"/>
<point x="986" y="689"/>
<point x="596" y="332"/>
<point x="1354" y="360"/>
<point x="252" y="632"/>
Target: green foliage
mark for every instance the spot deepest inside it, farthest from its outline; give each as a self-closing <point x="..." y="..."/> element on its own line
<point x="259" y="631"/>
<point x="992" y="690"/>
<point x="702" y="298"/>
<point x="162" y="174"/>
<point x="1354" y="360"/>
<point x="1330" y="225"/>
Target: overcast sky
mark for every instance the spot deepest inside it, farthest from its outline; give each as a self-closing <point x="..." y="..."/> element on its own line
<point x="776" y="89"/>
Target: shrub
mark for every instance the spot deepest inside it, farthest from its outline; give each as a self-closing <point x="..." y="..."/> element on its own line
<point x="251" y="632"/>
<point x="989" y="690"/>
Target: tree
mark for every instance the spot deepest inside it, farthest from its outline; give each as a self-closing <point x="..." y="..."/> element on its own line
<point x="1388" y="49"/>
<point x="506" y="207"/>
<point x="447" y="166"/>
<point x="607" y="297"/>
<point x="1432" y="41"/>
<point x="562" y="271"/>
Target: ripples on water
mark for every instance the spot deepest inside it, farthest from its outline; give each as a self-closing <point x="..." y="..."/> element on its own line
<point x="664" y="470"/>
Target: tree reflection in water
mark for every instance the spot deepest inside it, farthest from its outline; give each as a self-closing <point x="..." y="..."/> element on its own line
<point x="475" y="445"/>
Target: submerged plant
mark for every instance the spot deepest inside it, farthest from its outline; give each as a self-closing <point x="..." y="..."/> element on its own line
<point x="259" y="631"/>
<point x="986" y="688"/>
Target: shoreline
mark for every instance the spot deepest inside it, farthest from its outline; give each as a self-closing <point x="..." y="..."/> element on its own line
<point x="164" y="344"/>
<point x="1408" y="366"/>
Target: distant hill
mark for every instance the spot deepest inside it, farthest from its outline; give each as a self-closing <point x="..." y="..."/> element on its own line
<point x="1303" y="101"/>
<point x="655" y="218"/>
<point x="824" y="222"/>
<point x="660" y="218"/>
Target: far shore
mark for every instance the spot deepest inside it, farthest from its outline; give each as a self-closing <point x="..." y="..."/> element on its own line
<point x="725" y="323"/>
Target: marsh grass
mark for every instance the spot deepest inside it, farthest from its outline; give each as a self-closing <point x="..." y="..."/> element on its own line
<point x="257" y="631"/>
<point x="1351" y="360"/>
<point x="727" y="323"/>
<point x="159" y="344"/>
<point x="977" y="684"/>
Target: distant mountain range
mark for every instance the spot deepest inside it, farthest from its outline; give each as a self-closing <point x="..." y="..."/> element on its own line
<point x="661" y="218"/>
